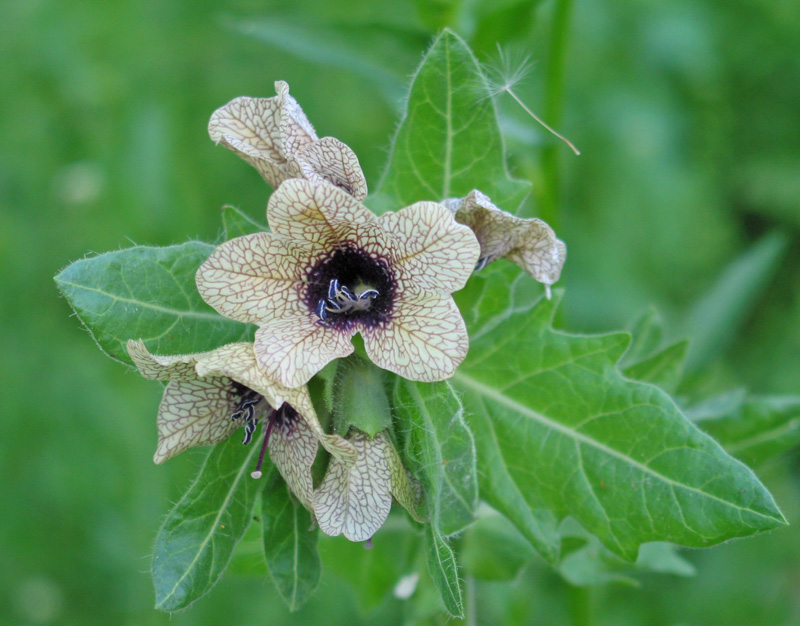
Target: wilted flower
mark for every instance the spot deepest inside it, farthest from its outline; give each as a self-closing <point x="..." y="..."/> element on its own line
<point x="330" y="269"/>
<point x="355" y="500"/>
<point x="212" y="394"/>
<point x="275" y="137"/>
<point x="530" y="243"/>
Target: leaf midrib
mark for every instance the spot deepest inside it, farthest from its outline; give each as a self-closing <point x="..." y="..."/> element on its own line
<point x="472" y="384"/>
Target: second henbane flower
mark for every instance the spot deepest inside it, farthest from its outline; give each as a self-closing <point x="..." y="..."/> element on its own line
<point x="330" y="269"/>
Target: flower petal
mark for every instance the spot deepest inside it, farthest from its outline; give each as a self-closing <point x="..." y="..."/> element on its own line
<point x="431" y="252"/>
<point x="155" y="367"/>
<point x="322" y="215"/>
<point x="293" y="448"/>
<point x="294" y="348"/>
<point x="331" y="160"/>
<point x="255" y="278"/>
<point x="530" y="243"/>
<point x="296" y="131"/>
<point x="426" y="340"/>
<point x="406" y="489"/>
<point x="194" y="413"/>
<point x="356" y="500"/>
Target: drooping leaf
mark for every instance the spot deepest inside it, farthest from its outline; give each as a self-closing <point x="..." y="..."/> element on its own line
<point x="721" y="311"/>
<point x="754" y="429"/>
<point x="575" y="435"/>
<point x="147" y="293"/>
<point x="663" y="369"/>
<point x="237" y="223"/>
<point x="448" y="142"/>
<point x="290" y="544"/>
<point x="440" y="451"/>
<point x="197" y="539"/>
<point x="443" y="568"/>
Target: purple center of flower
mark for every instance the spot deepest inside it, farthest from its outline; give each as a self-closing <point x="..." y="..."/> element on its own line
<point x="247" y="406"/>
<point x="351" y="287"/>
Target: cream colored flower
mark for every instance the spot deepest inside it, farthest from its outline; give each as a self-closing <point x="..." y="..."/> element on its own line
<point x="355" y="500"/>
<point x="330" y="269"/>
<point x="212" y="394"/>
<point x="275" y="137"/>
<point x="530" y="243"/>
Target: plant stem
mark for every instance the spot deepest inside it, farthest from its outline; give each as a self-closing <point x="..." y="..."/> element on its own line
<point x="553" y="107"/>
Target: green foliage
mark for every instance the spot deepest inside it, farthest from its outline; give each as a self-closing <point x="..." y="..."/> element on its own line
<point x="443" y="569"/>
<point x="146" y="293"/>
<point x="236" y="223"/>
<point x="448" y="142"/>
<point x="359" y="398"/>
<point x="290" y="544"/>
<point x="197" y="539"/>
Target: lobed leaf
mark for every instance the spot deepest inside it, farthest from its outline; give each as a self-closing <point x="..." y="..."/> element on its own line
<point x="290" y="544"/>
<point x="236" y="223"/>
<point x="573" y="435"/>
<point x="147" y="293"/>
<point x="663" y="368"/>
<point x="448" y="142"/>
<point x="440" y="451"/>
<point x="198" y="537"/>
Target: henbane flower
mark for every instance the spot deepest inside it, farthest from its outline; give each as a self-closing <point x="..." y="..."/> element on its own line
<point x="210" y="395"/>
<point x="354" y="500"/>
<point x="330" y="269"/>
<point x="530" y="243"/>
<point x="275" y="137"/>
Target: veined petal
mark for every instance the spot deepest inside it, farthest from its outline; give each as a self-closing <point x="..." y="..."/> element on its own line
<point x="430" y="251"/>
<point x="530" y="243"/>
<point x="155" y="367"/>
<point x="238" y="362"/>
<point x="255" y="278"/>
<point x="294" y="348"/>
<point x="194" y="413"/>
<point x="332" y="161"/>
<point x="293" y="448"/>
<point x="426" y="339"/>
<point x="355" y="501"/>
<point x="322" y="215"/>
<point x="296" y="131"/>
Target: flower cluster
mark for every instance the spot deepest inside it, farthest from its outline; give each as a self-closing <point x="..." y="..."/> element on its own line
<point x="329" y="269"/>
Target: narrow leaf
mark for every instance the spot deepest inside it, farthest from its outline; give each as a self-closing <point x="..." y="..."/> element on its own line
<point x="147" y="293"/>
<point x="720" y="313"/>
<point x="290" y="544"/>
<point x="576" y="435"/>
<point x="237" y="223"/>
<point x="449" y="141"/>
<point x="440" y="451"/>
<point x="443" y="569"/>
<point x="197" y="539"/>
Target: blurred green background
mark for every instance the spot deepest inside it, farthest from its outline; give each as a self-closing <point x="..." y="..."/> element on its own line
<point x="686" y="197"/>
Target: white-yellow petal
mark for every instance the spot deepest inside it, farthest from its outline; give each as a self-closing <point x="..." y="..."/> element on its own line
<point x="194" y="413"/>
<point x="355" y="501"/>
<point x="406" y="489"/>
<point x="426" y="339"/>
<point x="294" y="348"/>
<point x="256" y="278"/>
<point x="330" y="160"/>
<point x="293" y="448"/>
<point x="155" y="367"/>
<point x="320" y="214"/>
<point x="430" y="251"/>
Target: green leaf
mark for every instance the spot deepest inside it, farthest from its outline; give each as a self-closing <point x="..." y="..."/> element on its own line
<point x="290" y="544"/>
<point x="237" y="223"/>
<point x="717" y="317"/>
<point x="587" y="562"/>
<point x="443" y="569"/>
<point x="647" y="333"/>
<point x="663" y="369"/>
<point x="359" y="397"/>
<point x="493" y="549"/>
<point x="449" y="141"/>
<point x="197" y="539"/>
<point x="575" y="435"/>
<point x="755" y="429"/>
<point x="439" y="450"/>
<point x="150" y="294"/>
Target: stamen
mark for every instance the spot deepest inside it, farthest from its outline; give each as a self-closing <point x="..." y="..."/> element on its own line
<point x="249" y="429"/>
<point x="342" y="299"/>
<point x="270" y="423"/>
<point x="368" y="544"/>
